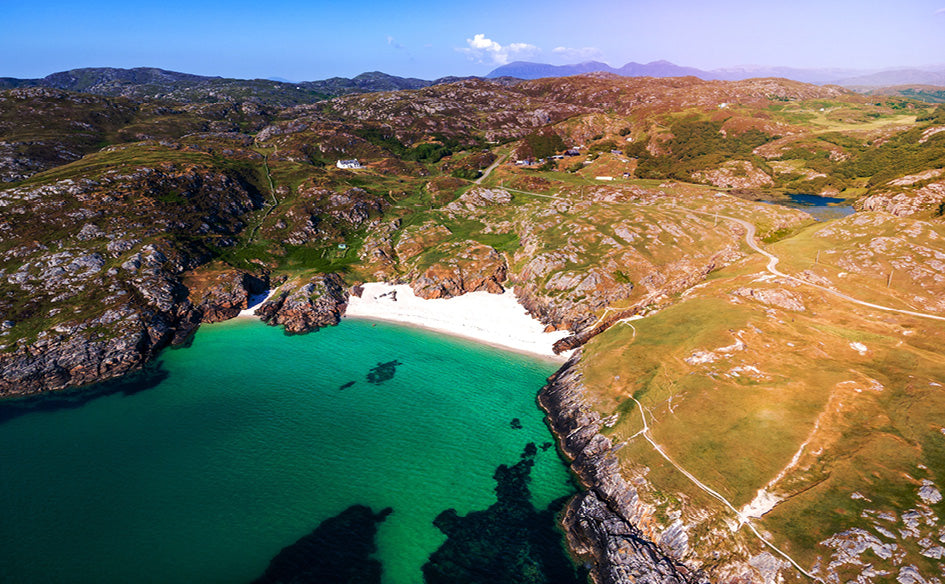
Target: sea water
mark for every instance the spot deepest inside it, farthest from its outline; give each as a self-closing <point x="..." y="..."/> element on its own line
<point x="251" y="439"/>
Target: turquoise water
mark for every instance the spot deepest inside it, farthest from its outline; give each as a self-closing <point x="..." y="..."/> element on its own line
<point x="250" y="443"/>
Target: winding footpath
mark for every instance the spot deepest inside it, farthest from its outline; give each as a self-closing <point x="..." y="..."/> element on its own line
<point x="743" y="520"/>
<point x="772" y="268"/>
<point x="272" y="207"/>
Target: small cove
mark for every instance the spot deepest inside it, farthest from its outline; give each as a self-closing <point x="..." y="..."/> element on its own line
<point x="250" y="440"/>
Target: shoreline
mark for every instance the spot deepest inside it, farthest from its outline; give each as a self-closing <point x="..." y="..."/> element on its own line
<point x="254" y="302"/>
<point x="497" y="320"/>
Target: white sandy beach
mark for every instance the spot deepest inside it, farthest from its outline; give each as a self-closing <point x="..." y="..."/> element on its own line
<point x="494" y="319"/>
<point x="255" y="302"/>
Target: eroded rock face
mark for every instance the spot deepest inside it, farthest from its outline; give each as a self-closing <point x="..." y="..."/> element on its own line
<point x="226" y="294"/>
<point x="477" y="267"/>
<point x="303" y="307"/>
<point x="602" y="522"/>
<point x="116" y="339"/>
<point x="97" y="291"/>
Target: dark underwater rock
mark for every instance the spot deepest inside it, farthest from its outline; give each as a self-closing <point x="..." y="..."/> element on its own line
<point x="510" y="542"/>
<point x="338" y="551"/>
<point x="383" y="371"/>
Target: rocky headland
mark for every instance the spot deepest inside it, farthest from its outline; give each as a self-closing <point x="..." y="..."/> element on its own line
<point x="306" y="307"/>
<point x="603" y="522"/>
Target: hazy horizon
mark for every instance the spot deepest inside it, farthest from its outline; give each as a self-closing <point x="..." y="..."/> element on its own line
<point x="317" y="40"/>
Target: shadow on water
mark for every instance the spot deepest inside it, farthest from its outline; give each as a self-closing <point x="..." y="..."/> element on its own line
<point x="338" y="551"/>
<point x="511" y="541"/>
<point x="152" y="375"/>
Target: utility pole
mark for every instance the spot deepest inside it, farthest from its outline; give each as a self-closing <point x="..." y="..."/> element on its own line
<point x="889" y="280"/>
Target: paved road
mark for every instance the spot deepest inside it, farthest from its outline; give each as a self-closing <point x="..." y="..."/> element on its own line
<point x="492" y="167"/>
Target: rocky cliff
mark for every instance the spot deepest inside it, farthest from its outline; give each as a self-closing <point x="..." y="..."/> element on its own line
<point x="92" y="271"/>
<point x="602" y="522"/>
<point x="305" y="307"/>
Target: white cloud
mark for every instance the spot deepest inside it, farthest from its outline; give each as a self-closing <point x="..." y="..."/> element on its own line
<point x="582" y="54"/>
<point x="393" y="42"/>
<point x="940" y="11"/>
<point x="483" y="49"/>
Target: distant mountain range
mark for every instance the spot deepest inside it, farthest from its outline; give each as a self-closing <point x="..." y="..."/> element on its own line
<point x="148" y="83"/>
<point x="845" y="77"/>
<point x="152" y="83"/>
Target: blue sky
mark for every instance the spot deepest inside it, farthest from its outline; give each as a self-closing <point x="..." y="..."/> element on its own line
<point x="314" y="40"/>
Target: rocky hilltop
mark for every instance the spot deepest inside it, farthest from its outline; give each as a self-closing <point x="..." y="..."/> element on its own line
<point x="149" y="83"/>
<point x="711" y="450"/>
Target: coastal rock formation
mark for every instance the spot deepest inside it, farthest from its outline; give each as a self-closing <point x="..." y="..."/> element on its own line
<point x="602" y="522"/>
<point x="304" y="307"/>
<point x="224" y="295"/>
<point x="475" y="267"/>
<point x="80" y="354"/>
<point x="91" y="285"/>
<point x="111" y="341"/>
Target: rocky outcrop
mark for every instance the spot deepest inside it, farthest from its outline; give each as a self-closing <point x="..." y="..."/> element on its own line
<point x="78" y="355"/>
<point x="224" y="295"/>
<point x="93" y="287"/>
<point x="415" y="241"/>
<point x="480" y="197"/>
<point x="737" y="174"/>
<point x="601" y="523"/>
<point x="778" y="297"/>
<point x="119" y="337"/>
<point x="477" y="267"/>
<point x="905" y="203"/>
<point x="304" y="307"/>
<point x="321" y="214"/>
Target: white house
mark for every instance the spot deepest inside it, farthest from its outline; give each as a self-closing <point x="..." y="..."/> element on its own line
<point x="348" y="164"/>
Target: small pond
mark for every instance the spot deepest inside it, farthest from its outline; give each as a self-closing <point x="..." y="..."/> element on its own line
<point x="821" y="208"/>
